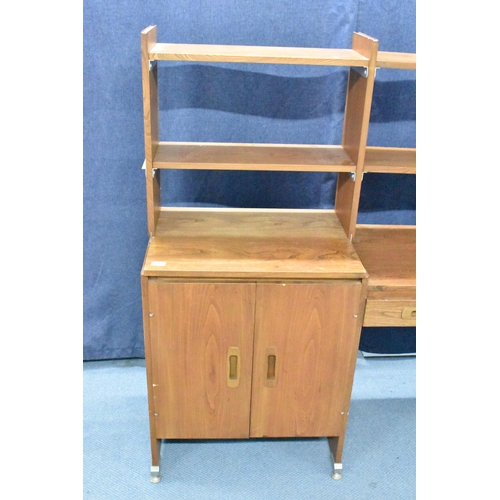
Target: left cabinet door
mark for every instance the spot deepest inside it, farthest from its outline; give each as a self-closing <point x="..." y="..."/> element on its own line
<point x="201" y="338"/>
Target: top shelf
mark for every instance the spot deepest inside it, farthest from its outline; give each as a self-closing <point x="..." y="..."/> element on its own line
<point x="256" y="54"/>
<point x="277" y="55"/>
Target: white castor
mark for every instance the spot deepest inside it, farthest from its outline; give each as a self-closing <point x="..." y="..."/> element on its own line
<point x="337" y="471"/>
<point x="155" y="474"/>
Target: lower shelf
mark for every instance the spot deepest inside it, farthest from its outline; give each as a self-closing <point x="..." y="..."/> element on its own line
<point x="389" y="255"/>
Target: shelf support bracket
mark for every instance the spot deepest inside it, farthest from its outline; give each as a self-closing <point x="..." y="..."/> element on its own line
<point x="152" y="65"/>
<point x="362" y="70"/>
<point x="145" y="170"/>
<point x="353" y="176"/>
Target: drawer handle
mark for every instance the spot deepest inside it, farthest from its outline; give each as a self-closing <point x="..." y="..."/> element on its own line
<point x="409" y="313"/>
<point x="271" y="366"/>
<point x="233" y="367"/>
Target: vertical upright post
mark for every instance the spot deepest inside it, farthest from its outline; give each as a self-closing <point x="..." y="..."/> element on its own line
<point x="355" y="133"/>
<point x="151" y="127"/>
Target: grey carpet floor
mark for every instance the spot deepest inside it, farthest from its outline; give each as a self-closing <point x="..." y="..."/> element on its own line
<point x="379" y="452"/>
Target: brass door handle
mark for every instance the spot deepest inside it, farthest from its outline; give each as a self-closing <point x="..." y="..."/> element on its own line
<point x="233" y="367"/>
<point x="409" y="313"/>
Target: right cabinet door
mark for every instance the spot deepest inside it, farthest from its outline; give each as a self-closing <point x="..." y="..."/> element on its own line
<point x="305" y="350"/>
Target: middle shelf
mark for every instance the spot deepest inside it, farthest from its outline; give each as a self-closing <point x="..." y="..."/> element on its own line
<point x="286" y="157"/>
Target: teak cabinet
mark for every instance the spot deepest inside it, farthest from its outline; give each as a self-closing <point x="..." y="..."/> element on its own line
<point x="221" y="349"/>
<point x="252" y="317"/>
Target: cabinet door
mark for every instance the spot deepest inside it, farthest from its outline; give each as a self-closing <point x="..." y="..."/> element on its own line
<point x="201" y="343"/>
<point x="306" y="342"/>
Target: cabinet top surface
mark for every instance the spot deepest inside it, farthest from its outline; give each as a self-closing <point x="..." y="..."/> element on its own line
<point x="251" y="243"/>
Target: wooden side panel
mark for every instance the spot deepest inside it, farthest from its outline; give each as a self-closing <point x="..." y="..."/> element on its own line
<point x="151" y="126"/>
<point x="312" y="330"/>
<point x="194" y="330"/>
<point x="355" y="134"/>
<point x="155" y="442"/>
<point x="359" y="100"/>
<point x="347" y="201"/>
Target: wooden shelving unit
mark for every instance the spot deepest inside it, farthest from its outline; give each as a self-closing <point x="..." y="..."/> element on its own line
<point x="252" y="317"/>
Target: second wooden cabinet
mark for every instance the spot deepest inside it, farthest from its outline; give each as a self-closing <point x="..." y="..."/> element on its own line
<point x="252" y="359"/>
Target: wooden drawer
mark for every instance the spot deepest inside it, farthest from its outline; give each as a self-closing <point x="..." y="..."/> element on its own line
<point x="390" y="313"/>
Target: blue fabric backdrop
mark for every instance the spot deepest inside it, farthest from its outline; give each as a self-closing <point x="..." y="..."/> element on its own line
<point x="226" y="103"/>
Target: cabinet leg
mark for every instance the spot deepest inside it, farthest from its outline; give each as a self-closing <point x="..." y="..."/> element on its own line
<point x="336" y="444"/>
<point x="155" y="467"/>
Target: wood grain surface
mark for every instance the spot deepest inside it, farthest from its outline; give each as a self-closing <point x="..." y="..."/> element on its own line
<point x="397" y="60"/>
<point x="256" y="54"/>
<point x="390" y="313"/>
<point x="223" y="156"/>
<point x="312" y="330"/>
<point x="192" y="328"/>
<point x="151" y="127"/>
<point x="391" y="160"/>
<point x="389" y="255"/>
<point x="204" y="243"/>
<point x="355" y="132"/>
